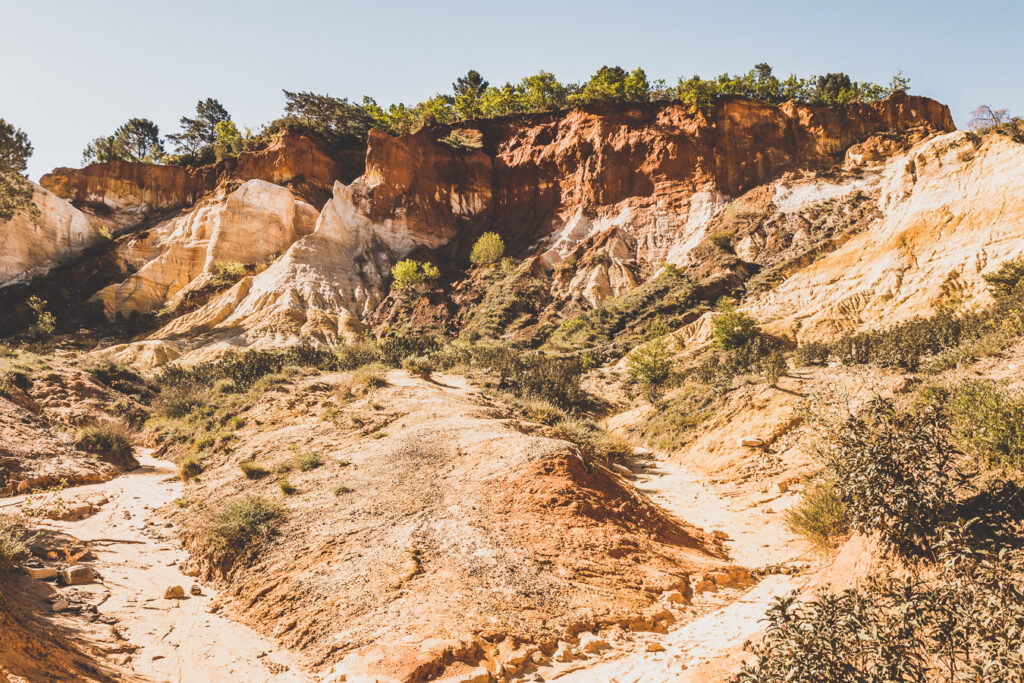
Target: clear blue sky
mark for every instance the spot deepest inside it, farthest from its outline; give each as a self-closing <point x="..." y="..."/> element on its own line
<point x="71" y="70"/>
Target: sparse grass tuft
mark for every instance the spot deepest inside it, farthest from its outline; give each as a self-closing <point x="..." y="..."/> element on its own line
<point x="308" y="461"/>
<point x="109" y="440"/>
<point x="243" y="525"/>
<point x="253" y="470"/>
<point x="13" y="545"/>
<point x="286" y="487"/>
<point x="190" y="468"/>
<point x="820" y="516"/>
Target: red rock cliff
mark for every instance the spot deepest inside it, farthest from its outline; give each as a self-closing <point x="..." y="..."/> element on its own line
<point x="300" y="162"/>
<point x="535" y="170"/>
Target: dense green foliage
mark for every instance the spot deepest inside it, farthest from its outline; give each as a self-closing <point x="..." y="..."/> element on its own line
<point x="409" y="274"/>
<point x="135" y="140"/>
<point x="896" y="474"/>
<point x="964" y="626"/>
<point x="488" y="249"/>
<point x="650" y="365"/>
<point x="15" y="189"/>
<point x="341" y="121"/>
<point x="941" y="341"/>
<point x="987" y="419"/>
<point x="732" y="328"/>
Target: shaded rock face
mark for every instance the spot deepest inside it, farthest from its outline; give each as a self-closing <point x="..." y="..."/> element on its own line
<point x="130" y="191"/>
<point x="32" y="245"/>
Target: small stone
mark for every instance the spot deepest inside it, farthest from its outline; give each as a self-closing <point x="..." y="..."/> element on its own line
<point x="41" y="573"/>
<point x="721" y="535"/>
<point x="721" y="579"/>
<point x="60" y="605"/>
<point x="750" y="442"/>
<point x="563" y="653"/>
<point x="539" y="658"/>
<point x="76" y="576"/>
<point x="590" y="643"/>
<point x="195" y="589"/>
<point x="174" y="593"/>
<point x="703" y="585"/>
<point x="675" y="598"/>
<point x="655" y="647"/>
<point x="23" y="487"/>
<point x="623" y="470"/>
<point x="783" y="487"/>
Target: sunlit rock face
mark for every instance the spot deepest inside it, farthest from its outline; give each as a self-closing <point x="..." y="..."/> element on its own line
<point x="951" y="210"/>
<point x="245" y="227"/>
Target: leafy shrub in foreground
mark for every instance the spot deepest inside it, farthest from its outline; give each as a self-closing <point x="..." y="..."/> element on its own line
<point x="987" y="420"/>
<point x="897" y="475"/>
<point x="964" y="625"/>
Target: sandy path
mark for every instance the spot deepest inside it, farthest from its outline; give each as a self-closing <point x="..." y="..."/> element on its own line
<point x="176" y="640"/>
<point x="717" y="625"/>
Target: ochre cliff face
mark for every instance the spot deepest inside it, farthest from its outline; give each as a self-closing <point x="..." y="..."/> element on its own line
<point x="653" y="165"/>
<point x="136" y="189"/>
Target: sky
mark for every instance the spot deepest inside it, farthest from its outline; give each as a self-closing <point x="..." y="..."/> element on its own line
<point x="72" y="70"/>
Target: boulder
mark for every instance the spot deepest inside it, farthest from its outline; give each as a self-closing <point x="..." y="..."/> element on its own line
<point x="76" y="576"/>
<point x="591" y="644"/>
<point x="41" y="573"/>
<point x="174" y="593"/>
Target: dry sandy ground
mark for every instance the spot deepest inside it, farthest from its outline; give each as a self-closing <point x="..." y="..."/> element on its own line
<point x="161" y="639"/>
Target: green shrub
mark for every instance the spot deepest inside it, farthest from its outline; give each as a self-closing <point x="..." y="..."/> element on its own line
<point x="253" y="470"/>
<point x="462" y="139"/>
<point x="397" y="345"/>
<point x="813" y="353"/>
<point x="13" y="545"/>
<point x="227" y="273"/>
<point x="419" y="366"/>
<point x="243" y="525"/>
<point x="408" y="274"/>
<point x="357" y="354"/>
<point x="489" y="248"/>
<point x="732" y="328"/>
<point x="988" y="421"/>
<point x="341" y="489"/>
<point x="962" y="625"/>
<point x="286" y="487"/>
<point x="191" y="467"/>
<point x="820" y="516"/>
<point x="650" y="366"/>
<point x="533" y="374"/>
<point x="45" y="322"/>
<point x="1006" y="281"/>
<point x="109" y="440"/>
<point x="897" y="475"/>
<point x="308" y="461"/>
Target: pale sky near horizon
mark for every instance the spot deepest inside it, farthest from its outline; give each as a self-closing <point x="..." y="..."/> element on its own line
<point x="71" y="70"/>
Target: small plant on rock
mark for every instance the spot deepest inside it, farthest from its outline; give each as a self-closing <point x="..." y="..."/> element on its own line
<point x="488" y="249"/>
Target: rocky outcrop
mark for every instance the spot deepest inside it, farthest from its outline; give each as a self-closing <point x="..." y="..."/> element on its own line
<point x="245" y="227"/>
<point x="33" y="244"/>
<point x="952" y="210"/>
<point x="130" y="191"/>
